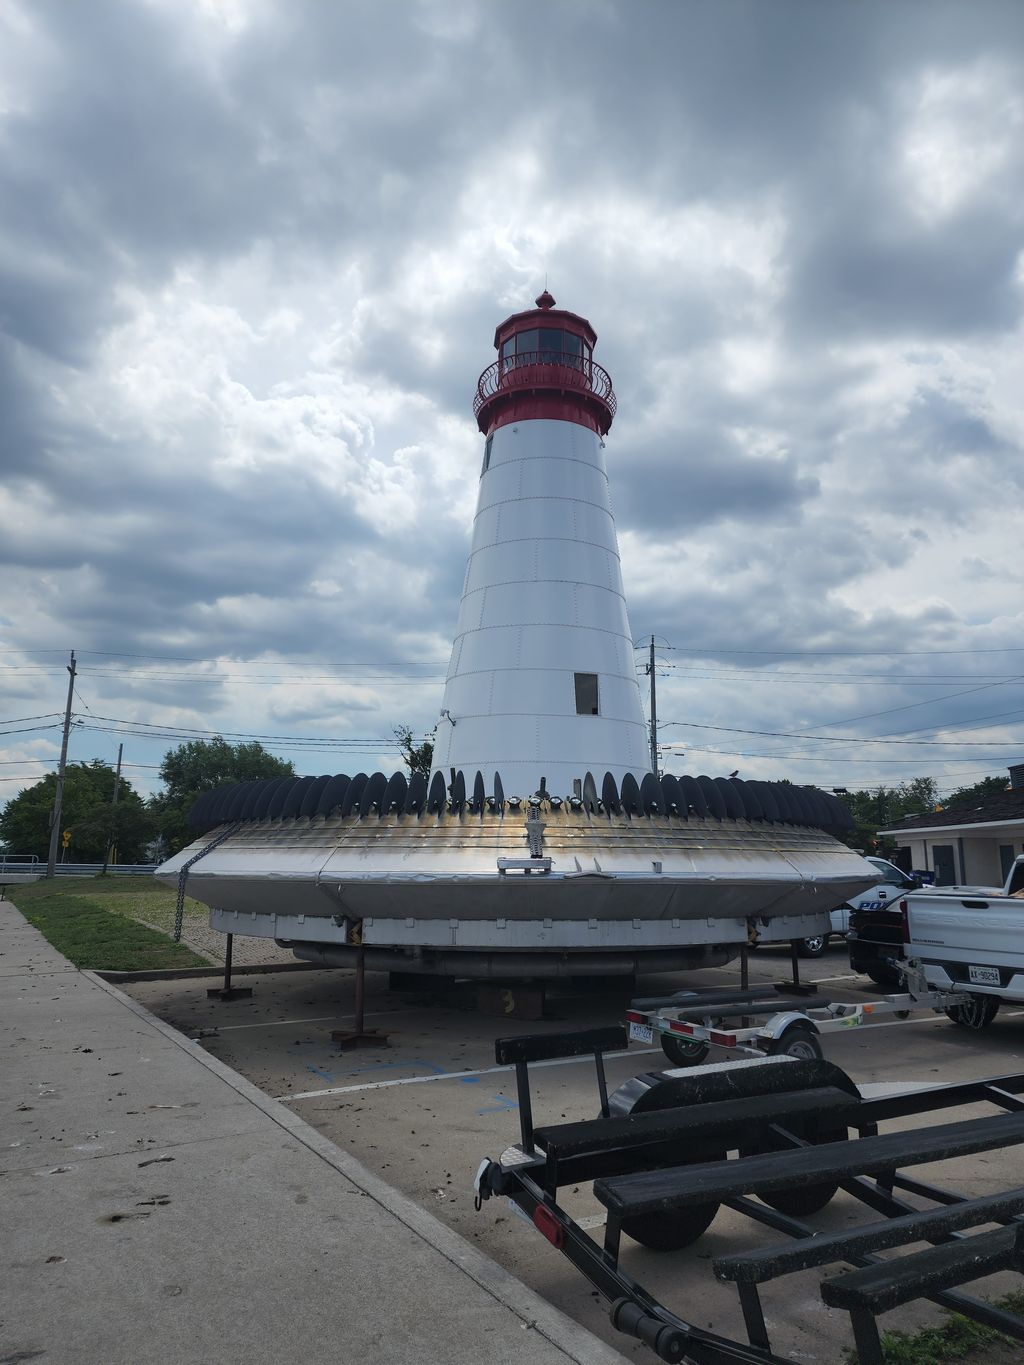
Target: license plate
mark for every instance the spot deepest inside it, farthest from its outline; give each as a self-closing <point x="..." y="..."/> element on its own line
<point x="984" y="976"/>
<point x="641" y="1033"/>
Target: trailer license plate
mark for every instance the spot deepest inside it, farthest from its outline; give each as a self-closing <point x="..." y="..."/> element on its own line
<point x="641" y="1033"/>
<point x="984" y="976"/>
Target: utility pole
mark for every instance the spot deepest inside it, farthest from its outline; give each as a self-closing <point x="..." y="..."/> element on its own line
<point x="654" y="713"/>
<point x="113" y="810"/>
<point x="58" y="800"/>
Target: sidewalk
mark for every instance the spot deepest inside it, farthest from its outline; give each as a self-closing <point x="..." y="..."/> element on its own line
<point x="158" y="1208"/>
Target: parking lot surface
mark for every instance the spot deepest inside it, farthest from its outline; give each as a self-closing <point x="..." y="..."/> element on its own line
<point x="424" y="1110"/>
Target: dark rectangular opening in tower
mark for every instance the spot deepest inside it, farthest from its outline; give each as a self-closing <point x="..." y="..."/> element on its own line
<point x="586" y="694"/>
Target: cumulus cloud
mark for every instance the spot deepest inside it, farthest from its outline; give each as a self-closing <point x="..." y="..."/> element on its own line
<point x="251" y="261"/>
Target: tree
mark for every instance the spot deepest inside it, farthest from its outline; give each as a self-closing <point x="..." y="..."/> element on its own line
<point x="418" y="758"/>
<point x="198" y="766"/>
<point x="874" y="810"/>
<point x="86" y="811"/>
<point x="988" y="786"/>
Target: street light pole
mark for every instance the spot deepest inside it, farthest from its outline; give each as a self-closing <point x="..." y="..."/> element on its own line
<point x="58" y="800"/>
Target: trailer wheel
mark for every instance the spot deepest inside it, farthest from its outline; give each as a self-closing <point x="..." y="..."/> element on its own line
<point x="678" y="1228"/>
<point x="797" y="1041"/>
<point x="976" y="1012"/>
<point x="681" y="1052"/>
<point x="811" y="1198"/>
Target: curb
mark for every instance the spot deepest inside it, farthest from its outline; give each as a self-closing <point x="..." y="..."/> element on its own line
<point x="192" y="973"/>
<point x="575" y="1341"/>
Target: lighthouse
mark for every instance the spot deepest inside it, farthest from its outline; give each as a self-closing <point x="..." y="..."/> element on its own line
<point x="542" y="844"/>
<point x="542" y="681"/>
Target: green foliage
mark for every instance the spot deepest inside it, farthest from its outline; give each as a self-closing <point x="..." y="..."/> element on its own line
<point x="874" y="810"/>
<point x="957" y="1339"/>
<point x="988" y="786"/>
<point x="73" y="920"/>
<point x="198" y="766"/>
<point x="417" y="757"/>
<point x="85" y="810"/>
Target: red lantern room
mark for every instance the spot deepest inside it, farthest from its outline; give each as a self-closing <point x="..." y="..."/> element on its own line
<point x="545" y="368"/>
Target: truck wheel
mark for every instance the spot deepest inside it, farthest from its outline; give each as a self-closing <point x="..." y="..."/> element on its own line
<point x="976" y="1012"/>
<point x="882" y="976"/>
<point x="812" y="947"/>
<point x="797" y="1041"/>
<point x="683" y="1053"/>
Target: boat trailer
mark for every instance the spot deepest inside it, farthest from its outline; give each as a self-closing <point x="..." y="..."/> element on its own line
<point x="791" y="1018"/>
<point x="799" y="1131"/>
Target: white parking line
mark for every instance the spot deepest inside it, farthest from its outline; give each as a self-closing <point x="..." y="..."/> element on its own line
<point x="456" y="1075"/>
<point x="315" y="1019"/>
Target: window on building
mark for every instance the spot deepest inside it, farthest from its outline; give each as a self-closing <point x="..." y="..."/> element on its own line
<point x="487" y="455"/>
<point x="586" y="694"/>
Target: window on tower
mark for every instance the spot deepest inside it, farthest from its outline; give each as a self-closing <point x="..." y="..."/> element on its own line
<point x="487" y="454"/>
<point x="586" y="694"/>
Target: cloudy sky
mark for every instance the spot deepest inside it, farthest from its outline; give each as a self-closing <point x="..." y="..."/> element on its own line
<point x="252" y="254"/>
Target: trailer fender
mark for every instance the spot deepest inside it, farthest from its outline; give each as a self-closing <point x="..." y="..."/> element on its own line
<point x="777" y="1025"/>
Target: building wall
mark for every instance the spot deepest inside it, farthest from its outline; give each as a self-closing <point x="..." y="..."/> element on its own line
<point x="981" y="861"/>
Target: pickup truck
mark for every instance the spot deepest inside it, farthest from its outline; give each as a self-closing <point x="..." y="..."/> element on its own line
<point x="960" y="935"/>
<point x="970" y="936"/>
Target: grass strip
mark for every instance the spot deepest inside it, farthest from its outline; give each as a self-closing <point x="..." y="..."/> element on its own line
<point x="73" y="919"/>
<point x="956" y="1341"/>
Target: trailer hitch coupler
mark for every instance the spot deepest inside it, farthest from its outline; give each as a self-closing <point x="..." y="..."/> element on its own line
<point x="668" y="1343"/>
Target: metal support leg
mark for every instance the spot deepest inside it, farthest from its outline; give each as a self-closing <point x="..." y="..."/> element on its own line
<point x="525" y="1107"/>
<point x="794" y="954"/>
<point x="602" y="1084"/>
<point x="227" y="991"/>
<point x="865" y="1335"/>
<point x="358" y="1035"/>
<point x="753" y="1317"/>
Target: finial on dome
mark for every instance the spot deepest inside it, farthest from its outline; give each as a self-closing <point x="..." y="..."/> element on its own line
<point x="544" y="301"/>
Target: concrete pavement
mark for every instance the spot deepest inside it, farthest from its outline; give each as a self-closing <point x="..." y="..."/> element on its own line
<point x="157" y="1207"/>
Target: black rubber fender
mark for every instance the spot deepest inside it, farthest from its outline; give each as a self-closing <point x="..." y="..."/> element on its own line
<point x="630" y="793"/>
<point x="280" y="797"/>
<point x="437" y="796"/>
<point x="714" y="798"/>
<point x="731" y="797"/>
<point x="652" y="799"/>
<point x="672" y="796"/>
<point x="395" y="794"/>
<point x="416" y="797"/>
<point x="311" y="800"/>
<point x="354" y="794"/>
<point x="610" y="795"/>
<point x="695" y="798"/>
<point x="333" y="794"/>
<point x="295" y="798"/>
<point x="751" y="805"/>
<point x="765" y="793"/>
<point x="372" y="794"/>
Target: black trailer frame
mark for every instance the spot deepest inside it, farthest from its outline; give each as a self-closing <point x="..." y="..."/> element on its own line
<point x="791" y="1120"/>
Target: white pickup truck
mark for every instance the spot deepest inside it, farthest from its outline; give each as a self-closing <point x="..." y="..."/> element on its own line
<point x="970" y="939"/>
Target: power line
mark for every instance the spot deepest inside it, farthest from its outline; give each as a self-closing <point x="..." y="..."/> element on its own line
<point x="705" y="651"/>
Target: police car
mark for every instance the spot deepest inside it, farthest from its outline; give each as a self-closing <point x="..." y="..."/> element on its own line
<point x="893" y="883"/>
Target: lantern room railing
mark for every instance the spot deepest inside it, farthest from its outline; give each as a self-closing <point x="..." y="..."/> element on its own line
<point x="545" y="370"/>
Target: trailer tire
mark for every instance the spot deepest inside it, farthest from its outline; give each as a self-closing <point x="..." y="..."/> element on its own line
<point x="811" y="1198"/>
<point x="976" y="1012"/>
<point x="684" y="1053"/>
<point x="678" y="1228"/>
<point x="797" y="1041"/>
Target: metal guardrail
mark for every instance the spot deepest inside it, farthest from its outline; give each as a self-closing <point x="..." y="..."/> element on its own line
<point x="29" y="863"/>
<point x="546" y="369"/>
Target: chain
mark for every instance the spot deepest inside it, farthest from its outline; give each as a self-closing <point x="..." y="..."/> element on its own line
<point x="179" y="909"/>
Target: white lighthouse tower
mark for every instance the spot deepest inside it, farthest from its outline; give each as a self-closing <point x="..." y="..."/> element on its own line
<point x="542" y="681"/>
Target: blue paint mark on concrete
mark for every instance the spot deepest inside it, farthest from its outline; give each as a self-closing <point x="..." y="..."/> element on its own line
<point x="501" y="1107"/>
<point x="470" y="1080"/>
